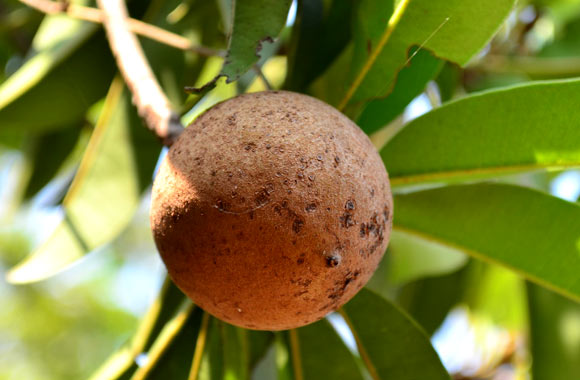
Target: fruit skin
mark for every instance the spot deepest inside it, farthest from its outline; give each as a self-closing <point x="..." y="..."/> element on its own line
<point x="271" y="210"/>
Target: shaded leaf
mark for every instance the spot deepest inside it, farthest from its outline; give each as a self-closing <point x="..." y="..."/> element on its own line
<point x="69" y="69"/>
<point x="391" y="344"/>
<point x="488" y="134"/>
<point x="48" y="155"/>
<point x="105" y="192"/>
<point x="318" y="37"/>
<point x="453" y="29"/>
<point x="319" y="353"/>
<point x="535" y="234"/>
<point x="554" y="334"/>
<point x="430" y="299"/>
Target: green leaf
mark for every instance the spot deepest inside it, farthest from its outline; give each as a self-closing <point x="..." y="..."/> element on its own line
<point x="235" y="351"/>
<point x="430" y="299"/>
<point x="495" y="293"/>
<point x="554" y="335"/>
<point x="70" y="70"/>
<point x="255" y="22"/>
<point x="107" y="188"/>
<point x="501" y="131"/>
<point x="411" y="257"/>
<point x="535" y="234"/>
<point x="319" y="353"/>
<point x="319" y="35"/>
<point x="452" y="29"/>
<point x="411" y="81"/>
<point x="390" y="343"/>
<point x="47" y="156"/>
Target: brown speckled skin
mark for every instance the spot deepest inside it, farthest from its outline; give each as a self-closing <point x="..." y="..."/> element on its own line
<point x="271" y="210"/>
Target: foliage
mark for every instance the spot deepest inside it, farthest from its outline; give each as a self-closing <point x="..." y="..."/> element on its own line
<point x="477" y="222"/>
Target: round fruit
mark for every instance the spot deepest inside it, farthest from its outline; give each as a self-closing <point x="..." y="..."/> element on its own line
<point x="271" y="210"/>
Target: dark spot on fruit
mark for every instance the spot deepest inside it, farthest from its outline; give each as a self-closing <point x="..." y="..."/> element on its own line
<point x="261" y="198"/>
<point x="213" y="173"/>
<point x="347" y="220"/>
<point x="311" y="177"/>
<point x="363" y="230"/>
<point x="250" y="147"/>
<point x="297" y="225"/>
<point x="319" y="157"/>
<point x="311" y="207"/>
<point x="350" y="205"/>
<point x="222" y="206"/>
<point x="336" y="161"/>
<point x="300" y="261"/>
<point x="333" y="261"/>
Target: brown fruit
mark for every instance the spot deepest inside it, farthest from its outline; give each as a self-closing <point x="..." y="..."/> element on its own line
<point x="271" y="210"/>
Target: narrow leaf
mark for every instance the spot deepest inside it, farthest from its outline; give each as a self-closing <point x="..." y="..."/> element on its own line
<point x="452" y="29"/>
<point x="105" y="192"/>
<point x="488" y="134"/>
<point x="390" y="343"/>
<point x="535" y="234"/>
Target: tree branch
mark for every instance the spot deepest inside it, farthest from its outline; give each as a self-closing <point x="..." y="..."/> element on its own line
<point x="152" y="104"/>
<point x="136" y="26"/>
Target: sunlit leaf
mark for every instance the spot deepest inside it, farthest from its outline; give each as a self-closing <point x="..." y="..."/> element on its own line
<point x="452" y="29"/>
<point x="107" y="188"/>
<point x="554" y="334"/>
<point x="488" y="134"/>
<point x="535" y="234"/>
<point x="391" y="344"/>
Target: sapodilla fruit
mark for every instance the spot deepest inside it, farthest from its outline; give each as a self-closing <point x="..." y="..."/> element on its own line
<point x="271" y="210"/>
